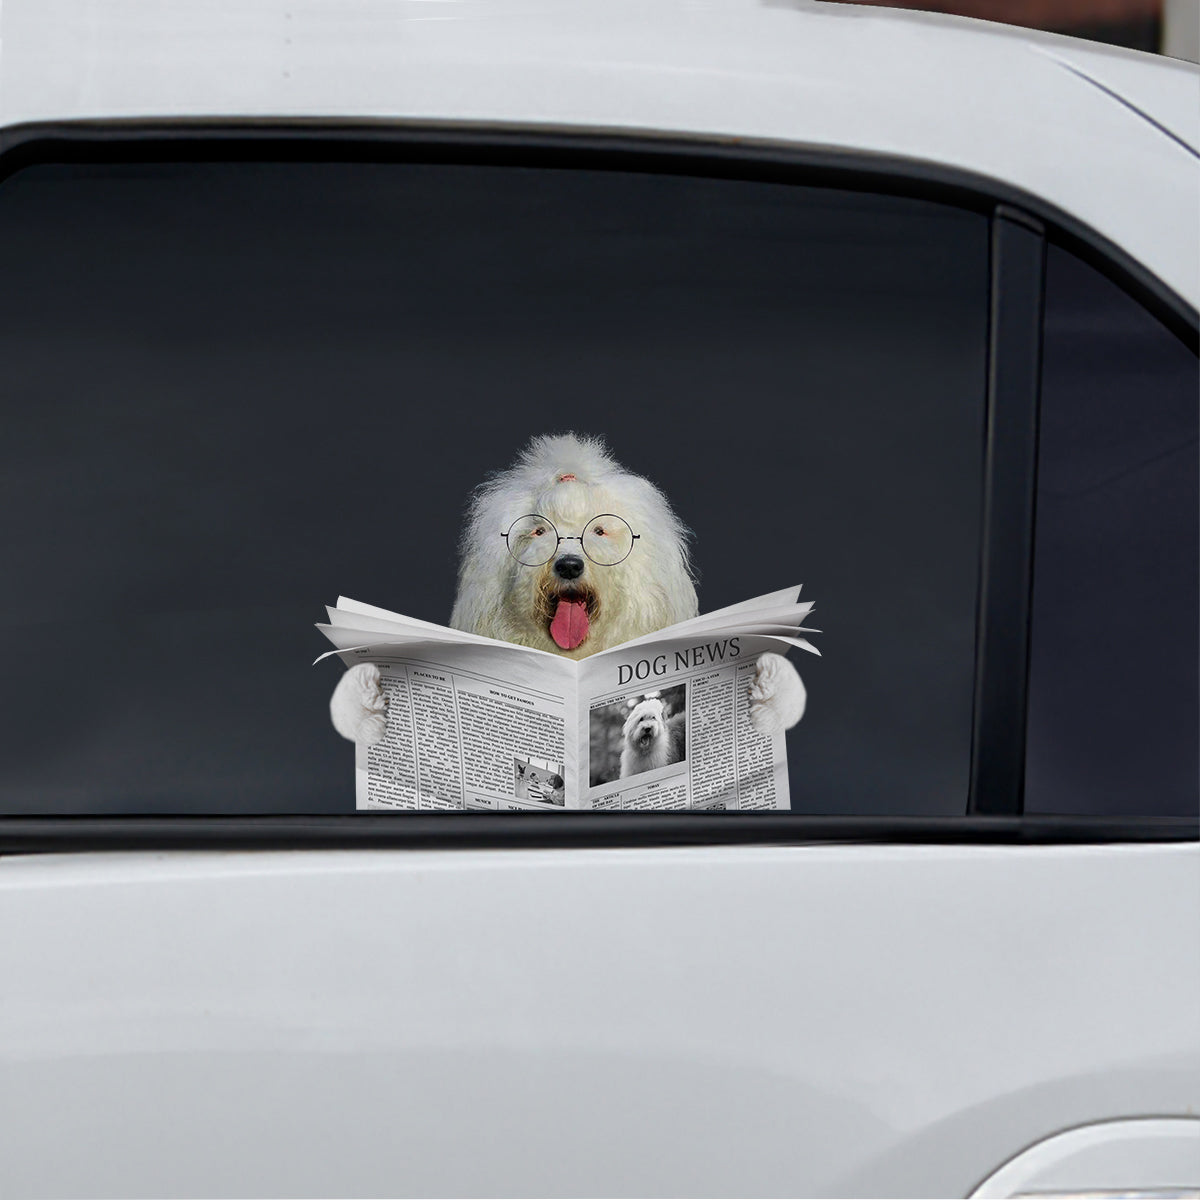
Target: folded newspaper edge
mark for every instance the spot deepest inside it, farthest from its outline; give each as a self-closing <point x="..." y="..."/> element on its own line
<point x="659" y="723"/>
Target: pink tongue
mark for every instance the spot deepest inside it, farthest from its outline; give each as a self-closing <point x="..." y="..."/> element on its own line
<point x="570" y="624"/>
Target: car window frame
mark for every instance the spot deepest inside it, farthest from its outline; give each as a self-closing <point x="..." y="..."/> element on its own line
<point x="1020" y="225"/>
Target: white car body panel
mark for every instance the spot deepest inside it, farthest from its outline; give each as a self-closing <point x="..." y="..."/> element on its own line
<point x="827" y="1020"/>
<point x="997" y="102"/>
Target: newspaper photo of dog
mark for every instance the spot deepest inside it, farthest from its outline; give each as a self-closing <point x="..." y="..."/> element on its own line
<point x="638" y="733"/>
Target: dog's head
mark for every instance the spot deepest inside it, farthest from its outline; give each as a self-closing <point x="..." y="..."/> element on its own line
<point x="645" y="724"/>
<point x="569" y="552"/>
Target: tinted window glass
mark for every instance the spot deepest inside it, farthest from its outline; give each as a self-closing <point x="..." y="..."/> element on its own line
<point x="1113" y="671"/>
<point x="232" y="392"/>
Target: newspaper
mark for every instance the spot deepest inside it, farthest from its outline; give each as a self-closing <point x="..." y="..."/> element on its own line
<point x="658" y="723"/>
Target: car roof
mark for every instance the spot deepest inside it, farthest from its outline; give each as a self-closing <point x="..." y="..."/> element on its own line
<point x="1111" y="137"/>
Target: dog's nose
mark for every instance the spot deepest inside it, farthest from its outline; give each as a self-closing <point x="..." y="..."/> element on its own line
<point x="570" y="566"/>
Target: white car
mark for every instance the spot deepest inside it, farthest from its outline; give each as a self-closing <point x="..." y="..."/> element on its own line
<point x="900" y="307"/>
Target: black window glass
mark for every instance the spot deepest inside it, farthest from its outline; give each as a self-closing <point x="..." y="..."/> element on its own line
<point x="1113" y="708"/>
<point x="233" y="391"/>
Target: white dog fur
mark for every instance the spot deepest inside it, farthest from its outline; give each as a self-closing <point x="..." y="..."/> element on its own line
<point x="570" y="479"/>
<point x="651" y="739"/>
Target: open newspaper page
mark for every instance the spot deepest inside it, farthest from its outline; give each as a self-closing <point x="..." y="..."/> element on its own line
<point x="665" y="719"/>
<point x="659" y="723"/>
<point x="666" y="725"/>
<point x="472" y="725"/>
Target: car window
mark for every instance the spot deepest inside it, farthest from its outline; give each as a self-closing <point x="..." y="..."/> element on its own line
<point x="1113" y="685"/>
<point x="234" y="391"/>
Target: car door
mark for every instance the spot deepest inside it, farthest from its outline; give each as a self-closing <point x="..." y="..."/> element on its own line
<point x="246" y="372"/>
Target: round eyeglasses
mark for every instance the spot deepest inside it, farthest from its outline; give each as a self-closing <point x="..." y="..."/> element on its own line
<point x="606" y="539"/>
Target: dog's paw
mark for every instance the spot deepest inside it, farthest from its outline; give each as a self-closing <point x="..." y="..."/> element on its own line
<point x="358" y="706"/>
<point x="777" y="696"/>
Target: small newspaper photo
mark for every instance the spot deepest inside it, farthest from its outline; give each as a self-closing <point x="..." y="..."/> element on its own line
<point x="660" y="723"/>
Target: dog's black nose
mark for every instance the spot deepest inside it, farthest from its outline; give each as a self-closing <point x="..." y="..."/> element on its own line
<point x="570" y="566"/>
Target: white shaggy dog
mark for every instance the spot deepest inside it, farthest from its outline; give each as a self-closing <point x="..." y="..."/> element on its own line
<point x="571" y="605"/>
<point x="568" y="602"/>
<point x="651" y="739"/>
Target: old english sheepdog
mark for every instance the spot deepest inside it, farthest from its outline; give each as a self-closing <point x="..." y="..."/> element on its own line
<point x="569" y="552"/>
<point x="651" y="739"/>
